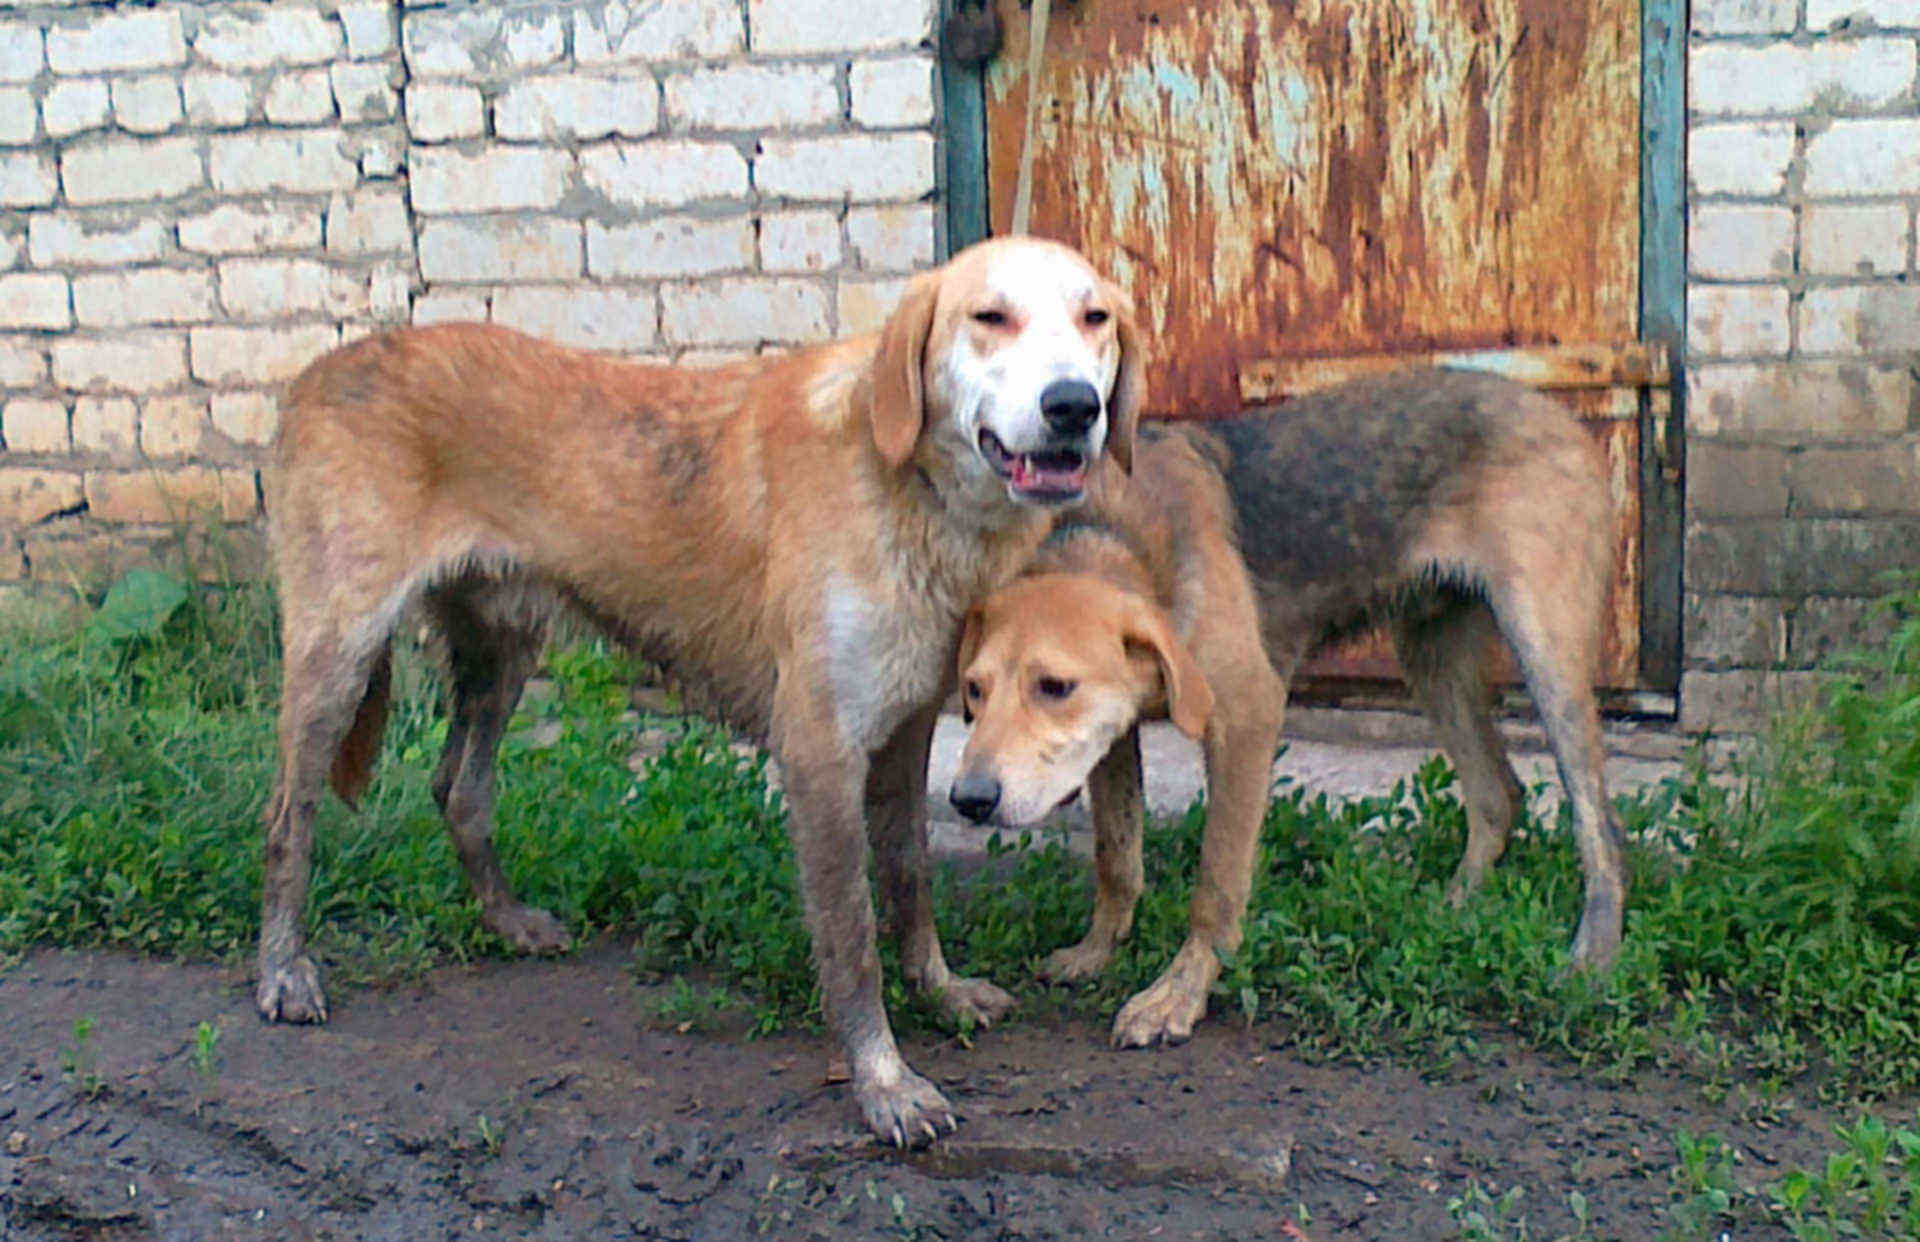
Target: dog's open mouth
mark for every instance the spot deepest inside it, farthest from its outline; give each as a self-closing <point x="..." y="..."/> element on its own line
<point x="1051" y="474"/>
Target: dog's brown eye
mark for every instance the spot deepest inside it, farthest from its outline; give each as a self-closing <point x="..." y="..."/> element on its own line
<point x="1095" y="317"/>
<point x="991" y="318"/>
<point x="1054" y="687"/>
<point x="973" y="689"/>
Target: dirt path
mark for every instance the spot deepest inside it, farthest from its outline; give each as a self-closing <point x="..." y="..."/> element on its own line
<point x="601" y="1121"/>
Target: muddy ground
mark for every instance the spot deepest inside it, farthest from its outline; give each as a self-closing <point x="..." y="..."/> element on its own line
<point x="551" y="1100"/>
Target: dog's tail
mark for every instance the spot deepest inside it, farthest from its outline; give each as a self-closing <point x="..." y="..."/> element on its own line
<point x="353" y="762"/>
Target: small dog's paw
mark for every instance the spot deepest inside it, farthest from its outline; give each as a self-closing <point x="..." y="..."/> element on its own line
<point x="291" y="993"/>
<point x="527" y="928"/>
<point x="975" y="1000"/>
<point x="1077" y="962"/>
<point x="909" y="1112"/>
<point x="1164" y="1013"/>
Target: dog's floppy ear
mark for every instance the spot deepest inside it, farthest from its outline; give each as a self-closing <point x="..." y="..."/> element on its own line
<point x="897" y="391"/>
<point x="1129" y="382"/>
<point x="971" y="628"/>
<point x="1189" y="697"/>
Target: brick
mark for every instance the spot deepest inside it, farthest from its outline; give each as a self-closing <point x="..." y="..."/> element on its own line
<point x="1736" y="320"/>
<point x="144" y="295"/>
<point x="1861" y="319"/>
<point x="22" y="51"/>
<point x="1838" y="240"/>
<point x="249" y="418"/>
<point x="671" y="246"/>
<point x="664" y="173"/>
<point x="370" y="220"/>
<point x="369" y="29"/>
<point x="63" y="239"/>
<point x="799" y="241"/>
<point x="449" y="306"/>
<point x="1850" y="75"/>
<point x="480" y="42"/>
<point x="27" y="179"/>
<point x="28" y="495"/>
<point x="893" y="93"/>
<point x="616" y="319"/>
<point x="390" y="292"/>
<point x="264" y="36"/>
<point x="561" y="108"/>
<point x="863" y="305"/>
<point x="235" y="229"/>
<point x="240" y="356"/>
<point x="1722" y="630"/>
<point x="35" y="300"/>
<point x="364" y="92"/>
<point x="149" y="104"/>
<point x="303" y="162"/>
<point x="1811" y="556"/>
<point x="503" y="249"/>
<point x="217" y="100"/>
<point x="1820" y="629"/>
<point x="1740" y="700"/>
<point x="17" y="116"/>
<point x="1873" y="156"/>
<point x="838" y="25"/>
<point x="742" y="310"/>
<point x="142" y="39"/>
<point x="899" y="237"/>
<point x="12" y="246"/>
<point x="1736" y="480"/>
<point x="861" y="167"/>
<point x="494" y="179"/>
<point x="275" y="288"/>
<point x="172" y="426"/>
<point x="1799" y="402"/>
<point x="1885" y="14"/>
<point x="120" y="362"/>
<point x="439" y="111"/>
<point x="34" y="425"/>
<point x="107" y="425"/>
<point x="302" y="98"/>
<point x="124" y="170"/>
<point x="1840" y="481"/>
<point x="23" y="363"/>
<point x="173" y="495"/>
<point x="1745" y="158"/>
<point x="379" y="158"/>
<point x="635" y="31"/>
<point x="753" y="97"/>
<point x="1737" y="17"/>
<point x="75" y="107"/>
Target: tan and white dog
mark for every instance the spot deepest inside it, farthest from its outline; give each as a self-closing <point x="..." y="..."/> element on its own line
<point x="797" y="535"/>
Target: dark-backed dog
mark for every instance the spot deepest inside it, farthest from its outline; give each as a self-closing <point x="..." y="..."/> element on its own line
<point x="1445" y="504"/>
<point x="798" y="534"/>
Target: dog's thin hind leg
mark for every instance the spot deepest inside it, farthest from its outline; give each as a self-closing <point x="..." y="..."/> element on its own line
<point x="1114" y="788"/>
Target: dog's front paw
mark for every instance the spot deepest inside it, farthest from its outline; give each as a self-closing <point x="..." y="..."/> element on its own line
<point x="528" y="929"/>
<point x="1078" y="961"/>
<point x="909" y="1111"/>
<point x="975" y="1001"/>
<point x="291" y="992"/>
<point x="1597" y="943"/>
<point x="1164" y="1013"/>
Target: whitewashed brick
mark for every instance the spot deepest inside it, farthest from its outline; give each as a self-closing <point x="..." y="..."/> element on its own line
<point x="1737" y="320"/>
<point x="893" y="93"/>
<point x="22" y="51"/>
<point x="105" y="424"/>
<point x="799" y="241"/>
<point x="863" y="305"/>
<point x="1877" y="156"/>
<point x="305" y="162"/>
<point x="245" y="417"/>
<point x="299" y="98"/>
<point x="370" y="220"/>
<point x="577" y="108"/>
<point x="35" y="300"/>
<point x="390" y="292"/>
<point x="149" y="104"/>
<point x="235" y="229"/>
<point x="664" y="173"/>
<point x="438" y="112"/>
<point x="753" y="97"/>
<point x="861" y="167"/>
<point x="142" y="295"/>
<point x="1746" y="158"/>
<point x="671" y="246"/>
<point x="618" y="319"/>
<point x="275" y="288"/>
<point x="1885" y="14"/>
<point x="480" y="42"/>
<point x="262" y="36"/>
<point x="1735" y="17"/>
<point x="217" y="100"/>
<point x="1867" y="240"/>
<point x="126" y="170"/>
<point x="743" y="310"/>
<point x="370" y="31"/>
<point x="899" y="237"/>
<point x="239" y="357"/>
<point x="23" y="363"/>
<point x="12" y="246"/>
<point x="493" y="179"/>
<point x="1850" y="75"/>
<point x="121" y="362"/>
<point x="499" y="249"/>
<point x="62" y="239"/>
<point x="379" y="158"/>
<point x="364" y="92"/>
<point x="1740" y="243"/>
<point x="75" y="107"/>
<point x="623" y="31"/>
<point x="141" y="39"/>
<point x="450" y="306"/>
<point x="172" y="426"/>
<point x="838" y="25"/>
<point x="27" y="179"/>
<point x="1861" y="319"/>
<point x="16" y="116"/>
<point x="34" y="425"/>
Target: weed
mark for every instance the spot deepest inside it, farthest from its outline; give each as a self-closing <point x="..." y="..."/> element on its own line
<point x="1702" y="1187"/>
<point x="1869" y="1189"/>
<point x="77" y="1062"/>
<point x="490" y="1135"/>
<point x="206" y="1043"/>
<point x="1479" y="1217"/>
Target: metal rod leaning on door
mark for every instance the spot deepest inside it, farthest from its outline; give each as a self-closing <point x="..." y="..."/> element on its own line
<point x="1036" y="51"/>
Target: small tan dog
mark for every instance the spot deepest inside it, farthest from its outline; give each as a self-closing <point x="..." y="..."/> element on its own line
<point x="1447" y="504"/>
<point x="798" y="535"/>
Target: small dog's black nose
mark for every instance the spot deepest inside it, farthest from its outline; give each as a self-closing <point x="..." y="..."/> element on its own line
<point x="974" y="796"/>
<point x="1069" y="406"/>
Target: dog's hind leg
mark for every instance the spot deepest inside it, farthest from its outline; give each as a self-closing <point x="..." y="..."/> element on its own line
<point x="1114" y="788"/>
<point x="1441" y="656"/>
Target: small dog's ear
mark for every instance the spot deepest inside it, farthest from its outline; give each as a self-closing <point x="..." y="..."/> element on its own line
<point x="971" y="628"/>
<point x="1129" y="382"/>
<point x="896" y="391"/>
<point x="1189" y="697"/>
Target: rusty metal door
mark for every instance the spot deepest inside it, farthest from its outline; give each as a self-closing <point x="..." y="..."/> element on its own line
<point x="1300" y="191"/>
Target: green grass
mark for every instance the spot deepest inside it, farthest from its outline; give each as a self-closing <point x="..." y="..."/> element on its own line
<point x="1770" y="934"/>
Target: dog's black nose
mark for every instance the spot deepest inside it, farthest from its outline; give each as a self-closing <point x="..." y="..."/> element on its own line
<point x="1069" y="406"/>
<point x="974" y="796"/>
